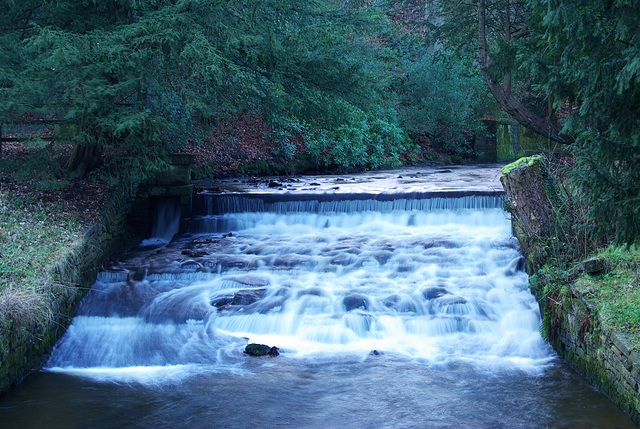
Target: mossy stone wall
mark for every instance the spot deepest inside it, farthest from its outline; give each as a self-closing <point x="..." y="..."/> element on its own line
<point x="604" y="357"/>
<point x="24" y="349"/>
<point x="570" y="321"/>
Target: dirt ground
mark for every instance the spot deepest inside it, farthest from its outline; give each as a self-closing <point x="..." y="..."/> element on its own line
<point x="83" y="197"/>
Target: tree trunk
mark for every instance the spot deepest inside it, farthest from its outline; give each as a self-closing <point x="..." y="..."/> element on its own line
<point x="85" y="157"/>
<point x="502" y="93"/>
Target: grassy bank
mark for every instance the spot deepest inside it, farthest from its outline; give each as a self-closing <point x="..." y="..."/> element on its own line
<point x="616" y="291"/>
<point x="33" y="235"/>
<point x="41" y="215"/>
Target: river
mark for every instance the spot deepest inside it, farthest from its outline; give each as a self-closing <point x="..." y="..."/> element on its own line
<point x="393" y="302"/>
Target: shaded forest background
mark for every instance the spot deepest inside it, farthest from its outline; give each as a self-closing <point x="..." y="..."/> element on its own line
<point x="279" y="87"/>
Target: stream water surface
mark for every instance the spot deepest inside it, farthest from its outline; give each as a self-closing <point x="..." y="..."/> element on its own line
<point x="395" y="311"/>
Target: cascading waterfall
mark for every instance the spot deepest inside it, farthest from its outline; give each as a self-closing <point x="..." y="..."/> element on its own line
<point x="165" y="220"/>
<point x="436" y="279"/>
<point x="389" y="310"/>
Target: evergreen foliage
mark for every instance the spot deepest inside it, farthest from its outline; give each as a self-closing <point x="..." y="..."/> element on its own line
<point x="592" y="59"/>
<point x="142" y="77"/>
<point x="497" y="34"/>
<point x="443" y="98"/>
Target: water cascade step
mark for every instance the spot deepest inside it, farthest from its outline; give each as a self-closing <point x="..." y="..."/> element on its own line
<point x="436" y="279"/>
<point x="403" y="309"/>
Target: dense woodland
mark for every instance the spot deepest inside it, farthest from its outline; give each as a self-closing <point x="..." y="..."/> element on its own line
<point x="288" y="87"/>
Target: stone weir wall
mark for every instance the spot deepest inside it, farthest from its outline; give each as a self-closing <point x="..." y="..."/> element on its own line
<point x="571" y="322"/>
<point x="23" y="349"/>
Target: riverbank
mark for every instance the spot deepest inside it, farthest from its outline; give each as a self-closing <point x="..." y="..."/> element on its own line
<point x="54" y="231"/>
<point x="588" y="294"/>
<point x="41" y="281"/>
<point x="49" y="208"/>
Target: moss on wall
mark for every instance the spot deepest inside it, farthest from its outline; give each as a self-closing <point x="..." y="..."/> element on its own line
<point x="515" y="141"/>
<point x="24" y="349"/>
<point x="571" y="323"/>
<point x="604" y="357"/>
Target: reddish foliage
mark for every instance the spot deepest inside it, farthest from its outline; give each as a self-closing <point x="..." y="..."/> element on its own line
<point x="244" y="140"/>
<point x="86" y="198"/>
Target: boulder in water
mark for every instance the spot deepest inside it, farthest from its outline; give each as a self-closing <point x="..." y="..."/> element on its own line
<point x="261" y="350"/>
<point x="434" y="292"/>
<point x="221" y="303"/>
<point x="251" y="281"/>
<point x="314" y="291"/>
<point x="194" y="253"/>
<point x="247" y="296"/>
<point x="452" y="300"/>
<point x="240" y="299"/>
<point x="401" y="304"/>
<point x="391" y="300"/>
<point x="354" y="301"/>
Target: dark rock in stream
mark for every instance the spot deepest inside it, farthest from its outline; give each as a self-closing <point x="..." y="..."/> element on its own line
<point x="354" y="301"/>
<point x="251" y="281"/>
<point x="194" y="253"/>
<point x="314" y="291"/>
<point x="434" y="292"/>
<point x="247" y="296"/>
<point x="261" y="350"/>
<point x="452" y="300"/>
<point x="400" y="304"/>
<point x="240" y="299"/>
<point x="221" y="303"/>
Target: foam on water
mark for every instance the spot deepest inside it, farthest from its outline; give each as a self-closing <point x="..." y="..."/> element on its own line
<point x="437" y="286"/>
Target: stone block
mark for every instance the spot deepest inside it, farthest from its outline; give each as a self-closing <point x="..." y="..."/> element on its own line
<point x="622" y="342"/>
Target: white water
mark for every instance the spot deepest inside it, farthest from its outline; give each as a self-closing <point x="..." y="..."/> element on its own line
<point x="439" y="286"/>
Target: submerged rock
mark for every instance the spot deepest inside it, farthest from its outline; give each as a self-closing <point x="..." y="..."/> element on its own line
<point x="314" y="291"/>
<point x="354" y="301"/>
<point x="434" y="292"/>
<point x="261" y="350"/>
<point x="452" y="300"/>
<point x="240" y="299"/>
<point x="401" y="304"/>
<point x="195" y="253"/>
<point x="247" y="296"/>
<point x="251" y="280"/>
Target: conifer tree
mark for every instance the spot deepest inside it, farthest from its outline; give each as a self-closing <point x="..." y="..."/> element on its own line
<point x="592" y="60"/>
<point x="142" y="77"/>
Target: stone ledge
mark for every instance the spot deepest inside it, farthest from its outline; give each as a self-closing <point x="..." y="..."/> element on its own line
<point x="25" y="349"/>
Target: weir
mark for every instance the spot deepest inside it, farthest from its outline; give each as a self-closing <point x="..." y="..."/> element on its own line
<point x="387" y="308"/>
<point x="432" y="278"/>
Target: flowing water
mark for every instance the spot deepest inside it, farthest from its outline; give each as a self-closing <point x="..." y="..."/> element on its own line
<point x="387" y="312"/>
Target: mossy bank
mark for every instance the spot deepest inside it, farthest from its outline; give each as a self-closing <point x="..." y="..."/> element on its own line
<point x="25" y="343"/>
<point x="587" y="302"/>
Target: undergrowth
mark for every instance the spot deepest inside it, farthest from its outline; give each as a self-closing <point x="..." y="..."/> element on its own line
<point x="617" y="291"/>
<point x="34" y="233"/>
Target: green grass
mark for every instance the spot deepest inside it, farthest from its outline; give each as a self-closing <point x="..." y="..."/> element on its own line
<point x="617" y="291"/>
<point x="32" y="236"/>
